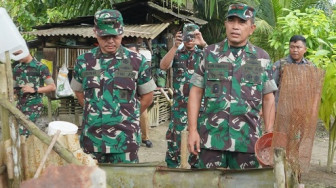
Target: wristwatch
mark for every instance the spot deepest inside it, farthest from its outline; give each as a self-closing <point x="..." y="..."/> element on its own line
<point x="35" y="89"/>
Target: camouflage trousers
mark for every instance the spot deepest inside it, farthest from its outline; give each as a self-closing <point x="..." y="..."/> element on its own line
<point x="128" y="157"/>
<point x="33" y="114"/>
<point x="173" y="137"/>
<point x="226" y="159"/>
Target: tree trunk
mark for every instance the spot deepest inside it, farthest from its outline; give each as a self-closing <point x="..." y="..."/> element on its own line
<point x="331" y="146"/>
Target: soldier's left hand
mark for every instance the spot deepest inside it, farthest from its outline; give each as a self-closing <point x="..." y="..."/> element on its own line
<point x="199" y="39"/>
<point x="27" y="89"/>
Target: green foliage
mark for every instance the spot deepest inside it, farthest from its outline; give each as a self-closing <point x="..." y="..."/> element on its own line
<point x="74" y="8"/>
<point x="54" y="105"/>
<point x="312" y="24"/>
<point x="55" y="15"/>
<point x="327" y="112"/>
<point x="320" y="32"/>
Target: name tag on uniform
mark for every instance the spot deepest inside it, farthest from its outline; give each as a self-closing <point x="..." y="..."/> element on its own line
<point x="125" y="71"/>
<point x="125" y="74"/>
<point x="90" y="73"/>
<point x="217" y="70"/>
<point x="33" y="74"/>
<point x="125" y="66"/>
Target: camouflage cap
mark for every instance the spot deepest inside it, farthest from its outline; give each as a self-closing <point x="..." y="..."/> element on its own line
<point x="242" y="11"/>
<point x="108" y="22"/>
<point x="188" y="32"/>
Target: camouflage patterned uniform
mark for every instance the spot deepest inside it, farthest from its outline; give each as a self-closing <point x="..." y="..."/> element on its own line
<point x="35" y="74"/>
<point x="234" y="84"/>
<point x="112" y="108"/>
<point x="183" y="66"/>
<point x="160" y="76"/>
<point x="111" y="84"/>
<point x="278" y="68"/>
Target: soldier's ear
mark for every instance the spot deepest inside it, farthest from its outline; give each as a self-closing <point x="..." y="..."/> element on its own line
<point x="253" y="27"/>
<point x="95" y="32"/>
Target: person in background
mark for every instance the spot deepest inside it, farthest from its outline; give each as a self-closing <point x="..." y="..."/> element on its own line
<point x="183" y="62"/>
<point x="31" y="79"/>
<point x="235" y="79"/>
<point x="297" y="49"/>
<point x="144" y="125"/>
<point x="114" y="86"/>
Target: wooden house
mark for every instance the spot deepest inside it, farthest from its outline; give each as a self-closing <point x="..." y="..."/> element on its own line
<point x="62" y="42"/>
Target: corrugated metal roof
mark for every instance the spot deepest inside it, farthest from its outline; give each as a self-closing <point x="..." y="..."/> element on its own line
<point x="149" y="31"/>
<point x="181" y="16"/>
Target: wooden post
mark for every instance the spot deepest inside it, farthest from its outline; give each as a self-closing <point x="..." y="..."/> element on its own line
<point x="49" y="109"/>
<point x="279" y="168"/>
<point x="166" y="96"/>
<point x="184" y="149"/>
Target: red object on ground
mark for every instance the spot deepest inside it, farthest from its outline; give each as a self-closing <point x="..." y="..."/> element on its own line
<point x="263" y="149"/>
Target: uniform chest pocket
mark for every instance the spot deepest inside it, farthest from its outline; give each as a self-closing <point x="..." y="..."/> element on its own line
<point x="91" y="86"/>
<point x="252" y="72"/>
<point x="33" y="77"/>
<point x="251" y="80"/>
<point x="124" y="89"/>
<point x="178" y="72"/>
<point x="91" y="79"/>
<point x="34" y="73"/>
<point x="216" y="76"/>
<point x="213" y="88"/>
<point x="218" y="71"/>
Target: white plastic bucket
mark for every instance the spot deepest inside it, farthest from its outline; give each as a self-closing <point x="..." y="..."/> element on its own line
<point x="64" y="126"/>
<point x="10" y="38"/>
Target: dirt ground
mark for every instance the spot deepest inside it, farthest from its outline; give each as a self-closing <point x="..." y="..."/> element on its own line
<point x="316" y="177"/>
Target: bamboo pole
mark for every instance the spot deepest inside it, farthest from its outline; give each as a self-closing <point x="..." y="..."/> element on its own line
<point x="58" y="148"/>
<point x="170" y="91"/>
<point x="9" y="159"/>
<point x="8" y="124"/>
<point x="44" y="159"/>
<point x="13" y="126"/>
<point x="4" y="95"/>
<point x="9" y="75"/>
<point x="16" y="150"/>
<point x="24" y="151"/>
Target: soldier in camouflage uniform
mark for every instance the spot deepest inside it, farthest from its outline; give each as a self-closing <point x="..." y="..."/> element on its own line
<point x="160" y="76"/>
<point x="297" y="49"/>
<point x="110" y="81"/>
<point x="183" y="63"/>
<point x="30" y="76"/>
<point x="236" y="80"/>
